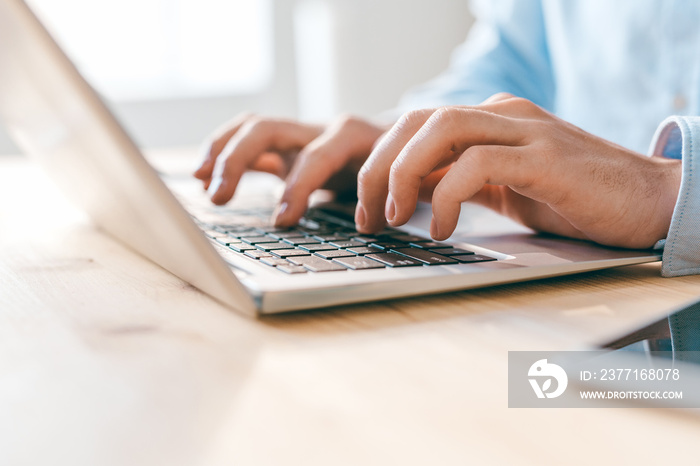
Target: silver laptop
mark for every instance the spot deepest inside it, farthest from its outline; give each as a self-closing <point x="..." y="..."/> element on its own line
<point x="233" y="253"/>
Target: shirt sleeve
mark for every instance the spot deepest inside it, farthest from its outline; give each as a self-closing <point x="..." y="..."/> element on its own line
<point x="506" y="51"/>
<point x="678" y="137"/>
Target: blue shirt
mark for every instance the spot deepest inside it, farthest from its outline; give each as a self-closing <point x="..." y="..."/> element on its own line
<point x="614" y="68"/>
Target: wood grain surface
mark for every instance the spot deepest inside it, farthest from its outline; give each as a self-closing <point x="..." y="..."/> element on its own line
<point x="107" y="359"/>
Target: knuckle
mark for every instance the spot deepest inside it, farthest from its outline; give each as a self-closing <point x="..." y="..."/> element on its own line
<point x="502" y="96"/>
<point x="312" y="156"/>
<point x="443" y="113"/>
<point x="476" y="154"/>
<point x="475" y="160"/>
<point x="414" y="118"/>
<point x="522" y="101"/>
<point x="525" y="105"/>
<point x="255" y="124"/>
<point x="446" y="116"/>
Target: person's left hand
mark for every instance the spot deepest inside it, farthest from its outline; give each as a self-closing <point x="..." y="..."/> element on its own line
<point x="522" y="161"/>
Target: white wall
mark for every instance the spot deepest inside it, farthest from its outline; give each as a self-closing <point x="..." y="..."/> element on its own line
<point x="374" y="51"/>
<point x="385" y="47"/>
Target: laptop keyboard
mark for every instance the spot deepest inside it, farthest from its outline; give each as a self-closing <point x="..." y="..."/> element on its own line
<point x="326" y="242"/>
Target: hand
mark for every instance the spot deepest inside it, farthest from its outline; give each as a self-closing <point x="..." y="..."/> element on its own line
<point x="307" y="156"/>
<point x="521" y="161"/>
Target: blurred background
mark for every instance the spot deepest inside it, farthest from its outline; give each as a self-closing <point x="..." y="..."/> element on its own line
<point x="173" y="70"/>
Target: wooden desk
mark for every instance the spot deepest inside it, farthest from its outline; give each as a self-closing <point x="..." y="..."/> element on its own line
<point x="106" y="359"/>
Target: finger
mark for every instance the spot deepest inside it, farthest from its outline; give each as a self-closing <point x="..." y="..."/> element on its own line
<point x="509" y="105"/>
<point x="372" y="179"/>
<point x="347" y="140"/>
<point x="533" y="214"/>
<point x="477" y="167"/>
<point x="272" y="163"/>
<point x="446" y="133"/>
<point x="428" y="184"/>
<point x="254" y="138"/>
<point x="213" y="147"/>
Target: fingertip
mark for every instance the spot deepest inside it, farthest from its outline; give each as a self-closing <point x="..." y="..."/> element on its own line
<point x="434" y="229"/>
<point x="288" y="213"/>
<point x="219" y="191"/>
<point x="198" y="172"/>
<point x="204" y="170"/>
<point x="440" y="232"/>
<point x="370" y="225"/>
<point x="280" y="216"/>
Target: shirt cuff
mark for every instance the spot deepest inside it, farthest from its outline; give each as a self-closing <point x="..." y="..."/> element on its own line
<point x="679" y="138"/>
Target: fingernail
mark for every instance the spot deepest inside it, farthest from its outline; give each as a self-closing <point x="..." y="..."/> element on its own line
<point x="390" y="209"/>
<point x="281" y="213"/>
<point x="360" y="216"/>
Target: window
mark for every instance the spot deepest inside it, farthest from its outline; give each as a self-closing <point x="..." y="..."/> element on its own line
<point x="133" y="50"/>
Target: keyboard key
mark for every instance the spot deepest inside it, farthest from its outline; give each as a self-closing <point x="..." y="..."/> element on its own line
<point x="331" y="238"/>
<point x="317" y="247"/>
<point x="283" y="253"/>
<point x="273" y="261"/>
<point x="257" y="254"/>
<point x="287" y="234"/>
<point x="464" y="259"/>
<point x="299" y="241"/>
<point x="226" y="240"/>
<point x="405" y="238"/>
<point x="272" y="229"/>
<point x="386" y="245"/>
<point x="239" y="231"/>
<point x="241" y="247"/>
<point x="366" y="239"/>
<point x="394" y="260"/>
<point x="361" y="251"/>
<point x="316" y="264"/>
<point x="258" y="239"/>
<point x="452" y="251"/>
<point x="273" y="246"/>
<point x="346" y="244"/>
<point x="431" y="245"/>
<point x="334" y="253"/>
<point x="235" y="229"/>
<point x="425" y="256"/>
<point x="359" y="263"/>
<point x="290" y="269"/>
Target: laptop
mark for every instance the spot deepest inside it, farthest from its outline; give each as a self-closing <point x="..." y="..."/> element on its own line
<point x="233" y="253"/>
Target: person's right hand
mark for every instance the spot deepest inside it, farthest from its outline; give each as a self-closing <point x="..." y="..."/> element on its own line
<point x="306" y="156"/>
